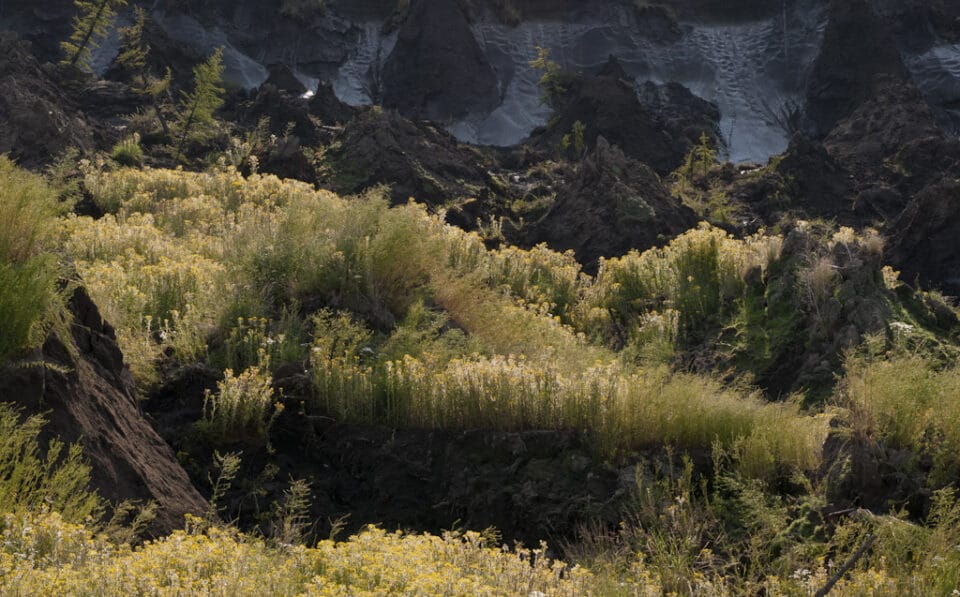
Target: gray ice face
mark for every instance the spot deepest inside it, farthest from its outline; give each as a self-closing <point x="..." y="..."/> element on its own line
<point x="755" y="72"/>
<point x="937" y="74"/>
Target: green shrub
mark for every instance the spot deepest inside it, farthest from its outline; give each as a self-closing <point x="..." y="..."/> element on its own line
<point x="128" y="151"/>
<point x="239" y="409"/>
<point x="32" y="479"/>
<point x="30" y="300"/>
<point x="699" y="274"/>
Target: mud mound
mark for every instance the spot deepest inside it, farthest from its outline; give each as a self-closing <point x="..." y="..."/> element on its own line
<point x="90" y="398"/>
<point x="895" y="114"/>
<point x="857" y="46"/>
<point x="658" y="132"/>
<point x="39" y="120"/>
<point x="326" y="106"/>
<point x="437" y="70"/>
<point x="417" y="160"/>
<point x="612" y="205"/>
<point x="805" y="181"/>
<point x="529" y="485"/>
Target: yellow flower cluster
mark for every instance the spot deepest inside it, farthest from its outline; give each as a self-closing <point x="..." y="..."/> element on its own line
<point x="43" y="555"/>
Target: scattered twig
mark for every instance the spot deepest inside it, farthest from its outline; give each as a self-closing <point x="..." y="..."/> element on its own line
<point x="846" y="567"/>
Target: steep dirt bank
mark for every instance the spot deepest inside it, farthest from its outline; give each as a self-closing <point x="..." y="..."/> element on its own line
<point x="529" y="485"/>
<point x="88" y="396"/>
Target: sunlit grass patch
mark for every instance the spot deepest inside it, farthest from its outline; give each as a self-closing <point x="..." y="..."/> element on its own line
<point x="907" y="402"/>
<point x="31" y="302"/>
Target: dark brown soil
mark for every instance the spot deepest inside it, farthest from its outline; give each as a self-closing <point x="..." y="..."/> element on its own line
<point x="611" y="205"/>
<point x="530" y="485"/>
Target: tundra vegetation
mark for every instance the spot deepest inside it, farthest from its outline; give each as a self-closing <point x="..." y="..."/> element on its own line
<point x="748" y="378"/>
<point x="419" y="324"/>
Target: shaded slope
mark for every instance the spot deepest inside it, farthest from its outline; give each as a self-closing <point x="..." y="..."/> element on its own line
<point x="89" y="397"/>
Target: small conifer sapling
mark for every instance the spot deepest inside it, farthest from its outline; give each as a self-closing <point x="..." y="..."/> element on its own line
<point x="133" y="58"/>
<point x="91" y="24"/>
<point x="198" y="106"/>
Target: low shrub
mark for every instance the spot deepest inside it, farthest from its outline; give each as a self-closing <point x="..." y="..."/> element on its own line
<point x="35" y="477"/>
<point x="907" y="402"/>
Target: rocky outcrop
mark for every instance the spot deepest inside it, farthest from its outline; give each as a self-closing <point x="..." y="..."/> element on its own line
<point x="918" y="24"/>
<point x="281" y="77"/>
<point x="44" y="23"/>
<point x="612" y="205"/>
<point x="88" y="396"/>
<point x="924" y="237"/>
<point x="895" y="114"/>
<point x="528" y="485"/>
<point x="859" y="472"/>
<point x="857" y="47"/>
<point x="805" y="181"/>
<point x="326" y="106"/>
<point x="862" y="102"/>
<point x="683" y="115"/>
<point x="437" y="71"/>
<point x="925" y="243"/>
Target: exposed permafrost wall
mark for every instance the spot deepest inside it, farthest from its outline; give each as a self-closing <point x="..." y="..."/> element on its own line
<point x="937" y="73"/>
<point x="755" y="72"/>
<point x="238" y="67"/>
<point x="358" y="80"/>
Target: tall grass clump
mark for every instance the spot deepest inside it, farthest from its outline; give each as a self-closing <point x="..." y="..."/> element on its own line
<point x="30" y="300"/>
<point x="128" y="152"/>
<point x="618" y="409"/>
<point x="908" y="403"/>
